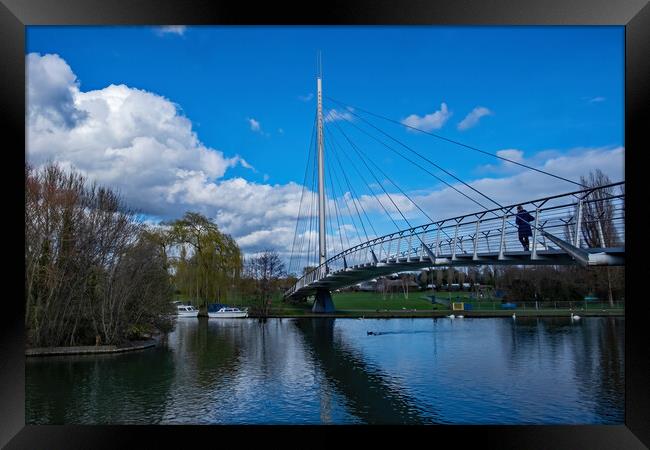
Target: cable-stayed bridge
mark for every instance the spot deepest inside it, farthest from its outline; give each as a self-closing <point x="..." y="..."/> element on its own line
<point x="582" y="226"/>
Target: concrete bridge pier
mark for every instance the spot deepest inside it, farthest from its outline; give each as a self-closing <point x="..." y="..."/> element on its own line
<point x="323" y="302"/>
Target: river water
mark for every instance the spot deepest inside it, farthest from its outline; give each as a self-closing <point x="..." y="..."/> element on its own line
<point x="330" y="371"/>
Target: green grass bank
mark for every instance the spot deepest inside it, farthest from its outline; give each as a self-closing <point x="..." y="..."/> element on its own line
<point x="417" y="304"/>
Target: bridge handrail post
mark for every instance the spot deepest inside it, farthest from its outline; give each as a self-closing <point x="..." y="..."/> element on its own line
<point x="578" y="223"/>
<point x="453" y="249"/>
<point x="390" y="244"/>
<point x="544" y="236"/>
<point x="399" y="242"/>
<point x="408" y="255"/>
<point x="422" y="244"/>
<point x="503" y="236"/>
<point x="478" y="224"/>
<point x="533" y="254"/>
<point x="435" y="253"/>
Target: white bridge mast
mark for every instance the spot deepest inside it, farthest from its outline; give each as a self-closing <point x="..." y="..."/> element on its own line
<point x="323" y="299"/>
<point x="321" y="170"/>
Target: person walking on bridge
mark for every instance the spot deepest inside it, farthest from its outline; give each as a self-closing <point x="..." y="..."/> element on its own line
<point x="523" y="217"/>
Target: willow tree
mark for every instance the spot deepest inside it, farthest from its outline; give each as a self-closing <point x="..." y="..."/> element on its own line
<point x="210" y="261"/>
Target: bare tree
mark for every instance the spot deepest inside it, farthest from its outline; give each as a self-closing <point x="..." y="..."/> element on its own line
<point x="78" y="238"/>
<point x="598" y="229"/>
<point x="266" y="269"/>
<point x="598" y="212"/>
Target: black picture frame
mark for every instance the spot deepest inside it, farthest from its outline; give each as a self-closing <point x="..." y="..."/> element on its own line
<point x="633" y="14"/>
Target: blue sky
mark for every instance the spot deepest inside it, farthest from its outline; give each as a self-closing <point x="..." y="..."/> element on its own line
<point x="546" y="93"/>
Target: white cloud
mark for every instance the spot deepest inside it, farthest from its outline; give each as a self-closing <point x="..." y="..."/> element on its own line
<point x="526" y="184"/>
<point x="136" y="142"/>
<point x="512" y="154"/>
<point x="334" y="115"/>
<point x="596" y="99"/>
<point x="306" y="98"/>
<point x="51" y="89"/>
<point x="371" y="204"/>
<point x="433" y="121"/>
<point x="473" y="117"/>
<point x="245" y="164"/>
<point x="171" y="29"/>
<point x="254" y="124"/>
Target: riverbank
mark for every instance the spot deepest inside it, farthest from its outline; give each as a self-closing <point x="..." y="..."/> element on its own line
<point x="377" y="305"/>
<point x="445" y="313"/>
<point x="419" y="304"/>
<point x="91" y="349"/>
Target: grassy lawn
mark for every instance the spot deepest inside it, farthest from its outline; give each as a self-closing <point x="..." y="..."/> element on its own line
<point x="371" y="303"/>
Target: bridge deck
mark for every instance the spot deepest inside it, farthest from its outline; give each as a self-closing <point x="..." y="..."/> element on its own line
<point x="361" y="272"/>
<point x="584" y="227"/>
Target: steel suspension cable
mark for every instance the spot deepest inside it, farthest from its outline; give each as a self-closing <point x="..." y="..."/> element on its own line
<point x="311" y="204"/>
<point x="397" y="152"/>
<point x="363" y="155"/>
<point x="407" y="147"/>
<point x="353" y="194"/>
<point x="454" y="142"/>
<point x="356" y="148"/>
<point x="431" y="162"/>
<point x="375" y="195"/>
<point x="387" y="194"/>
<point x="347" y="205"/>
<point x="336" y="210"/>
<point x="483" y="206"/>
<point x="426" y="159"/>
<point x="305" y="235"/>
<point x="302" y="193"/>
<point x="329" y="216"/>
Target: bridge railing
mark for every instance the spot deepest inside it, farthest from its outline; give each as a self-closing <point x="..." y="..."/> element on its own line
<point x="591" y="218"/>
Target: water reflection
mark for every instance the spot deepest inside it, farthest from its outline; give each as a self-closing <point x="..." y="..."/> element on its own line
<point x="84" y="389"/>
<point x="320" y="371"/>
<point x="243" y="371"/>
<point x="368" y="394"/>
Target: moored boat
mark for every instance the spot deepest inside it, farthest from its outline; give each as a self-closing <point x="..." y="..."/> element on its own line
<point x="186" y="311"/>
<point x="217" y="310"/>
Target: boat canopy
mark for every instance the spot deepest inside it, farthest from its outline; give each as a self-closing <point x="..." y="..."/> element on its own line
<point x="214" y="307"/>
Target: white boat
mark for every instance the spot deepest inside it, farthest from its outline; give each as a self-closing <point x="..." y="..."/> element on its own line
<point x="187" y="311"/>
<point x="228" y="312"/>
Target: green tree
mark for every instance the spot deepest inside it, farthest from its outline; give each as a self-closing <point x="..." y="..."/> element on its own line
<point x="210" y="262"/>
